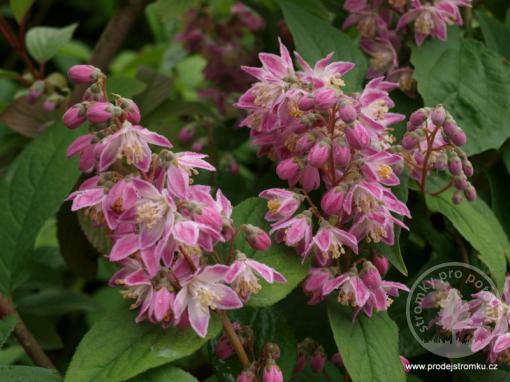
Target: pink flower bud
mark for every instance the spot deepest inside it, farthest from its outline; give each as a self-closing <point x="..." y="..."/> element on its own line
<point x="199" y="145"/>
<point x="75" y="116"/>
<point x="187" y="133"/>
<point x="306" y="103"/>
<point x="455" y="165"/>
<point x="418" y="117"/>
<point x="287" y="169"/>
<point x="257" y="238"/>
<point x="272" y="373"/>
<point x="246" y="376"/>
<point x="301" y="360"/>
<point x="332" y="201"/>
<point x="304" y="143"/>
<point x="382" y="264"/>
<point x="319" y="154"/>
<point x="318" y="360"/>
<point x="348" y="113"/>
<point x="460" y="182"/>
<point x="470" y="192"/>
<point x="457" y="197"/>
<point x="224" y="348"/>
<point x="325" y="98"/>
<point x="357" y="136"/>
<point x="99" y="112"/>
<point x="410" y="140"/>
<point x="272" y="350"/>
<point x="336" y="359"/>
<point x="233" y="167"/>
<point x="50" y="104"/>
<point x="84" y="74"/>
<point x="35" y="91"/>
<point x="405" y="364"/>
<point x="454" y="133"/>
<point x="341" y="154"/>
<point x="468" y="168"/>
<point x="438" y="115"/>
<point x="131" y="108"/>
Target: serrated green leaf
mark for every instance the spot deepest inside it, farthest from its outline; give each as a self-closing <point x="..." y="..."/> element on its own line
<point x="43" y="43"/>
<point x="472" y="82"/>
<point x="279" y="257"/>
<point x="116" y="348"/>
<point x="28" y="374"/>
<point x="368" y="345"/>
<point x="7" y="325"/>
<point x="31" y="192"/>
<point x="20" y="8"/>
<point x="479" y="226"/>
<point x="165" y="374"/>
<point x="315" y="38"/>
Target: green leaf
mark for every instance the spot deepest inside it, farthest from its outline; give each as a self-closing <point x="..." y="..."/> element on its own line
<point x="315" y="38"/>
<point x="7" y="325"/>
<point x="368" y="345"/>
<point x="500" y="203"/>
<point x="96" y="235"/>
<point x="9" y="74"/>
<point x="43" y="43"/>
<point x="168" y="10"/>
<point x="495" y="33"/>
<point x="165" y="374"/>
<point x="479" y="226"/>
<point x="31" y="192"/>
<point x="393" y="253"/>
<point x="283" y="259"/>
<point x="116" y="348"/>
<point x="28" y="374"/>
<point x="124" y="85"/>
<point x="20" y="8"/>
<point x="158" y="87"/>
<point x="472" y="82"/>
<point x="54" y="302"/>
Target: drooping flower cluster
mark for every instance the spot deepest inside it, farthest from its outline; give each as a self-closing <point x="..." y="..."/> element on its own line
<point x="53" y="90"/>
<point x="483" y="320"/>
<point x="321" y="136"/>
<point x="164" y="228"/>
<point x="380" y="24"/>
<point x="433" y="142"/>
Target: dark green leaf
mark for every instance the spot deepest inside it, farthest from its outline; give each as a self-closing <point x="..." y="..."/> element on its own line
<point x="28" y="374"/>
<point x="20" y="8"/>
<point x="158" y="87"/>
<point x="165" y="373"/>
<point x="495" y="33"/>
<point x="44" y="42"/>
<point x="116" y="348"/>
<point x="168" y="10"/>
<point x="96" y="235"/>
<point x="53" y="302"/>
<point x="315" y="38"/>
<point x="279" y="257"/>
<point x="472" y="82"/>
<point x="9" y="74"/>
<point x="368" y="345"/>
<point x="480" y="227"/>
<point x="125" y="86"/>
<point x="7" y="325"/>
<point x="500" y="203"/>
<point x="32" y="190"/>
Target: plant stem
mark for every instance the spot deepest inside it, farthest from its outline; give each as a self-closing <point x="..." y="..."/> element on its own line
<point x="25" y="338"/>
<point x="234" y="340"/>
<point x="430" y="142"/>
<point x="331" y="129"/>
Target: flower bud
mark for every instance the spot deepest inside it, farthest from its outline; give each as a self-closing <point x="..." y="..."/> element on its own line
<point x="272" y="372"/>
<point x="470" y="192"/>
<point x="455" y="165"/>
<point x="301" y="360"/>
<point x="319" y="153"/>
<point x="341" y="154"/>
<point x="460" y="182"/>
<point x="272" y="350"/>
<point x="468" y="168"/>
<point x="199" y="144"/>
<point x="257" y="238"/>
<point x="454" y="133"/>
<point x="410" y="140"/>
<point x="187" y="133"/>
<point x="438" y="115"/>
<point x="441" y="162"/>
<point x="75" y="116"/>
<point x="336" y="359"/>
<point x="418" y="117"/>
<point x="405" y="364"/>
<point x="318" y="360"/>
<point x="287" y="169"/>
<point x="332" y="201"/>
<point x="306" y="103"/>
<point x="224" y="348"/>
<point x="233" y="167"/>
<point x="35" y="91"/>
<point x="51" y="103"/>
<point x="99" y="112"/>
<point x="457" y="197"/>
<point x="84" y="74"/>
<point x="348" y="113"/>
<point x="131" y="108"/>
<point x="246" y="376"/>
<point x="325" y="98"/>
<point x="357" y="136"/>
<point x="382" y="264"/>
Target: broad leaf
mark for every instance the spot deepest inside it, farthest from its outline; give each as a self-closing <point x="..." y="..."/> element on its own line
<point x="20" y="8"/>
<point x="124" y="85"/>
<point x="283" y="259"/>
<point x="495" y="33"/>
<point x="500" y="203"/>
<point x="117" y="348"/>
<point x="472" y="82"/>
<point x="28" y="374"/>
<point x="96" y="235"/>
<point x="54" y="302"/>
<point x="479" y="226"/>
<point x="9" y="74"/>
<point x="168" y="10"/>
<point x="43" y="43"/>
<point x="165" y="374"/>
<point x="368" y="345"/>
<point x="158" y="87"/>
<point x="7" y="325"/>
<point x="315" y="38"/>
<point x="31" y="192"/>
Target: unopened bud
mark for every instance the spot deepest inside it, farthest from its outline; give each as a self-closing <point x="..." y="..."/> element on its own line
<point x="438" y="115"/>
<point x="382" y="264"/>
<point x="306" y="103"/>
<point x="272" y="372"/>
<point x="470" y="192"/>
<point x="418" y="117"/>
<point x="84" y="74"/>
<point x="348" y="113"/>
<point x="455" y="165"/>
<point x="257" y="238"/>
<point x="457" y="197"/>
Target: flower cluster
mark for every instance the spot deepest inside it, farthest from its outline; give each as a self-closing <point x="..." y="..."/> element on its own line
<point x="483" y="320"/>
<point x="321" y="136"/>
<point x="380" y="24"/>
<point x="164" y="228"/>
<point x="433" y="142"/>
<point x="53" y="89"/>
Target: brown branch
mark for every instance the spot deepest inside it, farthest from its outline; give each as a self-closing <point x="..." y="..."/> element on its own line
<point x="25" y="338"/>
<point x="112" y="38"/>
<point x="234" y="340"/>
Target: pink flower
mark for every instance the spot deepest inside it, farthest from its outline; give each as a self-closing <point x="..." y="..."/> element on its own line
<point x="203" y="291"/>
<point x="131" y="142"/>
<point x="352" y="291"/>
<point x="75" y="116"/>
<point x="328" y="243"/>
<point x="313" y="285"/>
<point x="84" y="74"/>
<point x="272" y="373"/>
<point x="281" y="204"/>
<point x="377" y="167"/>
<point x="181" y="166"/>
<point x="88" y="151"/>
<point x="99" y="112"/>
<point x="325" y="72"/>
<point x="296" y="231"/>
<point x="90" y="194"/>
<point x="242" y="276"/>
<point x="383" y="56"/>
<point x="428" y="20"/>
